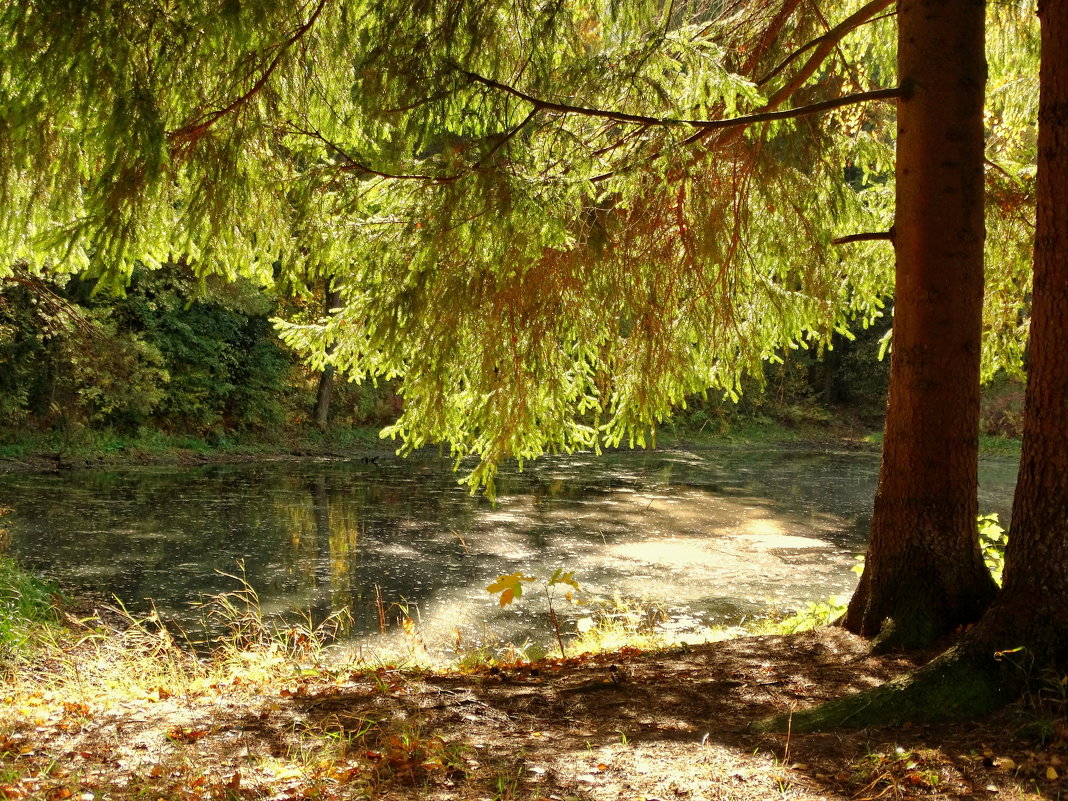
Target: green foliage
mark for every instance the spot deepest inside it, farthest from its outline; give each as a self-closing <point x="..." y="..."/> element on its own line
<point x="992" y="541"/>
<point x="73" y="363"/>
<point x="530" y="226"/>
<point x="510" y="587"/>
<point x="170" y="353"/>
<point x="564" y="577"/>
<point x="814" y="615"/>
<point x="1001" y="412"/>
<point x="226" y="370"/>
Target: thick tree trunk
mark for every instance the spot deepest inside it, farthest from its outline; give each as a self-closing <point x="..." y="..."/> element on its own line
<point x="924" y="574"/>
<point x="325" y="390"/>
<point x="1032" y="609"/>
<point x="1025" y="631"/>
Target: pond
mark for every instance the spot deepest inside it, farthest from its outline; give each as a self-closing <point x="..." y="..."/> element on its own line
<point x="709" y="536"/>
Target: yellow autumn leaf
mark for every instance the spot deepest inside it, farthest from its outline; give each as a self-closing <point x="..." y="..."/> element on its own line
<point x="510" y="586"/>
<point x="1051" y="773"/>
<point x="560" y="576"/>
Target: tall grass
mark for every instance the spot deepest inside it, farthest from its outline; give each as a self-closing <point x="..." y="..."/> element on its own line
<point x="26" y="604"/>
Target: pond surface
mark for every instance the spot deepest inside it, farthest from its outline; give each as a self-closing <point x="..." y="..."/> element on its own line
<point x="711" y="536"/>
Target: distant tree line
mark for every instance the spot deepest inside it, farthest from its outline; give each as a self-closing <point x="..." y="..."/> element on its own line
<point x="182" y="355"/>
<point x="171" y="353"/>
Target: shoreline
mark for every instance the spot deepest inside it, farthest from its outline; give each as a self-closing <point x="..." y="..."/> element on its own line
<point x="365" y="443"/>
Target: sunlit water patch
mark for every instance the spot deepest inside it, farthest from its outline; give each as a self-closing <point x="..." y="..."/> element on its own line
<point x="710" y="537"/>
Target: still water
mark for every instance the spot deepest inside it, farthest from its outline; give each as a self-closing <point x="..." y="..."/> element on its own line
<point x="711" y="536"/>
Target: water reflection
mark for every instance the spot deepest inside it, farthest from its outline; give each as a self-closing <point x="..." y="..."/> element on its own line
<point x="713" y="535"/>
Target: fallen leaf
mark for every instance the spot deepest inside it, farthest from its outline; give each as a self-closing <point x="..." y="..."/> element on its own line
<point x="1005" y="763"/>
<point x="1051" y="773"/>
<point x="181" y="735"/>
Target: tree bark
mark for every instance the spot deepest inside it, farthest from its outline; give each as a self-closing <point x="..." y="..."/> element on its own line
<point x="1024" y="633"/>
<point x="924" y="574"/>
<point x="1032" y="609"/>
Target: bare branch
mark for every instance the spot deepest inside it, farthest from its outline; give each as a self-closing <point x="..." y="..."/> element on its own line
<point x="871" y="236"/>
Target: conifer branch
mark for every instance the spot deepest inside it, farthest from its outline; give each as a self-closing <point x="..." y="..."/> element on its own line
<point x="352" y="164"/>
<point x="504" y="140"/>
<point x="189" y="133"/>
<point x="824" y="45"/>
<point x="57" y="305"/>
<point x="800" y="111"/>
<point x="355" y="165"/>
<point x="702" y="125"/>
<point x="566" y="108"/>
<point x="769" y="36"/>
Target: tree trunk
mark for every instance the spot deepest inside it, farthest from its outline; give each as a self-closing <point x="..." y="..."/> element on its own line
<point x="1032" y="609"/>
<point x="924" y="574"/>
<point x="322" y="397"/>
<point x="1025" y="631"/>
<point x="326" y="378"/>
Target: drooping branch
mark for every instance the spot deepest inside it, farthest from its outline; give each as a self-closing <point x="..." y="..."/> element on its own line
<point x="770" y="35"/>
<point x="351" y="163"/>
<point x="793" y="113"/>
<point x="190" y="132"/>
<point x="823" y="46"/>
<point x="503" y="141"/>
<point x="56" y="304"/>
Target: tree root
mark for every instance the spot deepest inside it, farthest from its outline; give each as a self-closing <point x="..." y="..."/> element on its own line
<point x="957" y="685"/>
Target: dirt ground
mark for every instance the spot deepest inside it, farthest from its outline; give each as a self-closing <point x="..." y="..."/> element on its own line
<point x="637" y="726"/>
